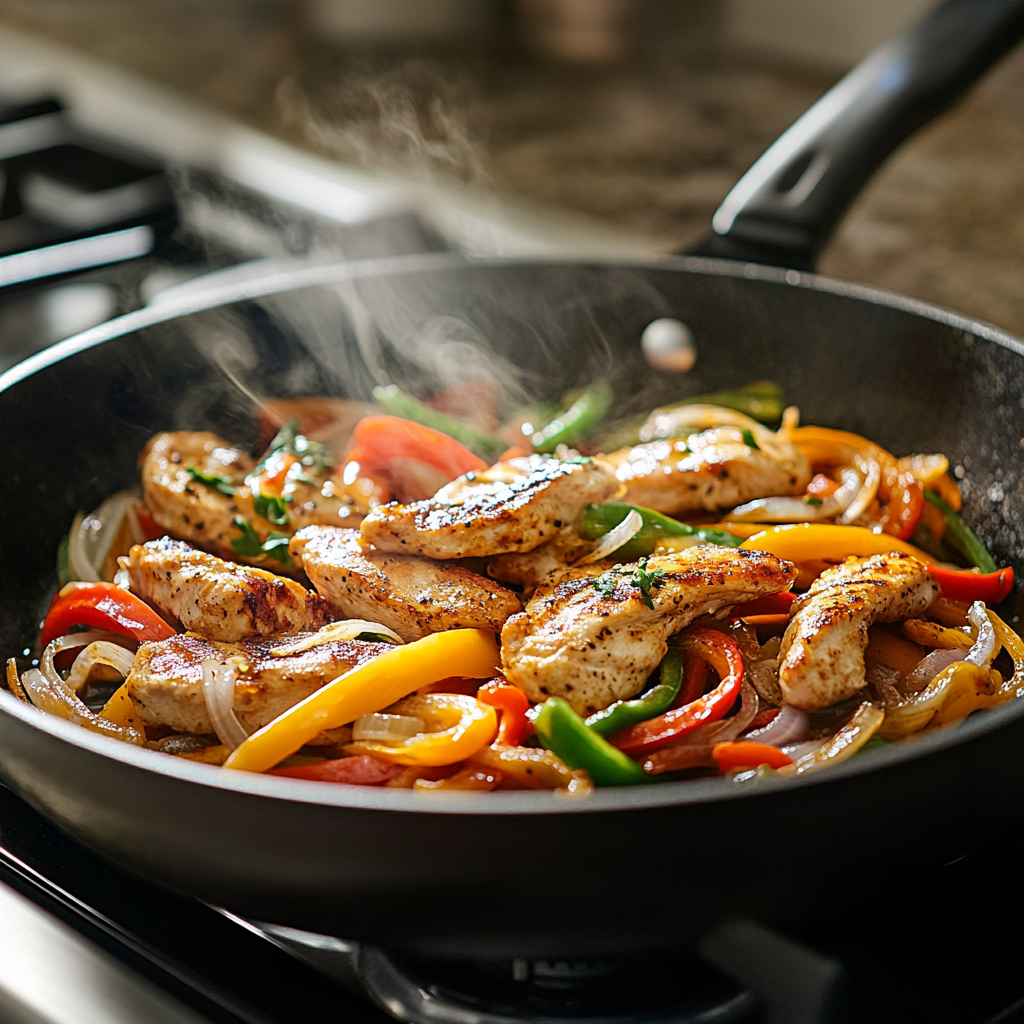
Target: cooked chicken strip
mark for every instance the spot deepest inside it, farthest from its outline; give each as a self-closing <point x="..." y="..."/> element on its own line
<point x="187" y="508"/>
<point x="709" y="471"/>
<point x="166" y="679"/>
<point x="413" y="596"/>
<point x="595" y="643"/>
<point x="822" y="655"/>
<point x="527" y="569"/>
<point x="218" y="599"/>
<point x="512" y="506"/>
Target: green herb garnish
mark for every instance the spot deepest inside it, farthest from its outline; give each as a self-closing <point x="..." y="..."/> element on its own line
<point x="813" y="501"/>
<point x="312" y="454"/>
<point x="218" y="483"/>
<point x="276" y="547"/>
<point x="749" y="440"/>
<point x="376" y="638"/>
<point x="605" y="583"/>
<point x="271" y="508"/>
<point x="647" y="580"/>
<point x="249" y="543"/>
<point x="578" y="460"/>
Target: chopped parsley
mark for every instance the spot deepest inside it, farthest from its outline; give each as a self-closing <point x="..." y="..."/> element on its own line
<point x="218" y="483"/>
<point x="749" y="440"/>
<point x="376" y="638"/>
<point x="312" y="454"/>
<point x="578" y="460"/>
<point x="605" y="583"/>
<point x="813" y="501"/>
<point x="250" y="546"/>
<point x="271" y="508"/>
<point x="647" y="580"/>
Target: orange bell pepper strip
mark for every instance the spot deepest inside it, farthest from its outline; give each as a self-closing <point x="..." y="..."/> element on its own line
<point x="723" y="653"/>
<point x="104" y="606"/>
<point x="747" y="754"/>
<point x="513" y="705"/>
<point x="379" y="439"/>
<point x="379" y="683"/>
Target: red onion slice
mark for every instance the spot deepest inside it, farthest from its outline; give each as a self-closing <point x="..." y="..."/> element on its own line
<point x="788" y="726"/>
<point x="928" y="668"/>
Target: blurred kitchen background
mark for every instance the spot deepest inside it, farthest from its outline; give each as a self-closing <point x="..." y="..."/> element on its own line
<point x="237" y="130"/>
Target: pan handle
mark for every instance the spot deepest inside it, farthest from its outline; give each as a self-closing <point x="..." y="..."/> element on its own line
<point x="783" y="210"/>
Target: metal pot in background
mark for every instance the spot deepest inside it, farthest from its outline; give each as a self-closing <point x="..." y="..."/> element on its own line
<point x="398" y="22"/>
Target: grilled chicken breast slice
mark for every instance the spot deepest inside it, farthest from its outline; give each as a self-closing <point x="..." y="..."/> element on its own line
<point x="715" y="469"/>
<point x="595" y="644"/>
<point x="166" y="680"/>
<point x="192" y="510"/>
<point x="218" y="599"/>
<point x="512" y="506"/>
<point x="413" y="596"/>
<point x="528" y="569"/>
<point x="822" y="654"/>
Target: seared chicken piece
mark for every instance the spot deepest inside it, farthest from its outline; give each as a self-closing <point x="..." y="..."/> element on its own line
<point x="822" y="655"/>
<point x="595" y="641"/>
<point x="218" y="599"/>
<point x="413" y="596"/>
<point x="195" y="511"/>
<point x="166" y="680"/>
<point x="512" y="506"/>
<point x="715" y="469"/>
<point x="527" y="569"/>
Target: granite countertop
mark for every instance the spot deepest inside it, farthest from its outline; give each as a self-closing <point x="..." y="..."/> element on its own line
<point x="652" y="147"/>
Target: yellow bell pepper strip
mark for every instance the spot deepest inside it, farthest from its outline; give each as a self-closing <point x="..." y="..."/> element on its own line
<point x="366" y="689"/>
<point x="534" y="768"/>
<point x="802" y="542"/>
<point x="900" y="492"/>
<point x="458" y="726"/>
<point x="843" y="745"/>
<point x="931" y="634"/>
<point x="479" y="780"/>
<point x="954" y="693"/>
<point x="120" y="710"/>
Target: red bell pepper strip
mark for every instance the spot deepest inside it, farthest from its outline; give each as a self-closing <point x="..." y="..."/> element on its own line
<point x="105" y="606"/>
<point x="695" y="682"/>
<point x="724" y="655"/>
<point x="966" y="585"/>
<point x="747" y="754"/>
<point x="904" y="499"/>
<point x="379" y="439"/>
<point x="773" y="604"/>
<point x="361" y="770"/>
<point x="513" y="705"/>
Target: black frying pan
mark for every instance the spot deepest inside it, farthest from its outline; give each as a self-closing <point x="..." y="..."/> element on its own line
<point x="531" y="873"/>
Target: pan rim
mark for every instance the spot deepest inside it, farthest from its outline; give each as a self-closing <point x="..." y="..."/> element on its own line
<point x="678" y="793"/>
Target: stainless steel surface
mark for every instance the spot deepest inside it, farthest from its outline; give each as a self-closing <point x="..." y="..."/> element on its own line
<point x="51" y="975"/>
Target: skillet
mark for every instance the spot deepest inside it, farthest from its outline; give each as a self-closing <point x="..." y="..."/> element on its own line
<point x="532" y="874"/>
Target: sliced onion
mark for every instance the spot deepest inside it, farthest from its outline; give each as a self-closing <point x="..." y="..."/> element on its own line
<point x="101" y="652"/>
<point x="383" y="728"/>
<point x="788" y="726"/>
<point x="91" y="535"/>
<point x="14" y="682"/>
<point x="928" y="668"/>
<point x="872" y="475"/>
<point x="69" y="642"/>
<point x="984" y="648"/>
<point x="788" y="509"/>
<point x="219" y="690"/>
<point x="335" y="632"/>
<point x="54" y="696"/>
<point x="614" y="539"/>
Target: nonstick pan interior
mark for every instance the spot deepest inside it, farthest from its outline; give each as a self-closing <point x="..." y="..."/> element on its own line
<point x="378" y="864"/>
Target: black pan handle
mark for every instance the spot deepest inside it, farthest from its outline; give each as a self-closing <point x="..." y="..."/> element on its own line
<point x="784" y="209"/>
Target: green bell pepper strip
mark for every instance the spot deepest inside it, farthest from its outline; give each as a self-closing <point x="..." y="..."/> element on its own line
<point x="566" y="735"/>
<point x="656" y="701"/>
<point x="395" y="401"/>
<point x="762" y="400"/>
<point x="601" y="519"/>
<point x="961" y="536"/>
<point x="575" y="422"/>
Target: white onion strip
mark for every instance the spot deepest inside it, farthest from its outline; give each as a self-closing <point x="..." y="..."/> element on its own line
<point x="334" y="632"/>
<point x="383" y="728"/>
<point x="788" y="509"/>
<point x="91" y="536"/>
<point x="101" y="652"/>
<point x="614" y="539"/>
<point x="219" y="690"/>
<point x="872" y="473"/>
<point x="984" y="648"/>
<point x="788" y="726"/>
